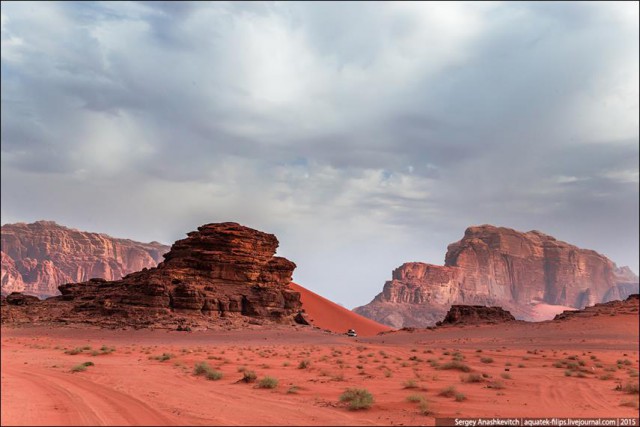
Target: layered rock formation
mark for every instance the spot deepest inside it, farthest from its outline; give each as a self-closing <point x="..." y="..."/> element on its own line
<point x="496" y="266"/>
<point x="631" y="305"/>
<point x="39" y="257"/>
<point x="222" y="271"/>
<point x="475" y="314"/>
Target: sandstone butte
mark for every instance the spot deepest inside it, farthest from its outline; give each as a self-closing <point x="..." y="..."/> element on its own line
<point x="39" y="257"/>
<point x="532" y="275"/>
<point x="219" y="275"/>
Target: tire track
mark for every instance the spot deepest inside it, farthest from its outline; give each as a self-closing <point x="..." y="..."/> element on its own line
<point x="70" y="400"/>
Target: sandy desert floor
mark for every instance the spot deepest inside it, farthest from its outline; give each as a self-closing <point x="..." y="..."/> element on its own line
<point x="570" y="368"/>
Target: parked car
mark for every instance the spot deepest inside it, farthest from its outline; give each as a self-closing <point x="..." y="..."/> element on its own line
<point x="352" y="333"/>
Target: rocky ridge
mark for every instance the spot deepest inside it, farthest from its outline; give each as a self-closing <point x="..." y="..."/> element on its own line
<point x="39" y="257"/>
<point x="222" y="274"/>
<point x="497" y="266"/>
<point x="474" y="315"/>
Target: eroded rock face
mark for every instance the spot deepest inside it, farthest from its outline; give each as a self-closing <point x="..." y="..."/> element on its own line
<point x="39" y="257"/>
<point x="476" y="314"/>
<point x="496" y="266"/>
<point x="221" y="271"/>
<point x="629" y="306"/>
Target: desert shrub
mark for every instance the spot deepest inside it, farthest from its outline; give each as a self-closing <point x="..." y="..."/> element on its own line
<point x="455" y="365"/>
<point x="106" y="350"/>
<point x="248" y="376"/>
<point x="268" y="382"/>
<point x="424" y="408"/>
<point x="631" y="388"/>
<point x="606" y="377"/>
<point x="460" y="397"/>
<point x="74" y="351"/>
<point x="631" y="404"/>
<point x="496" y="385"/>
<point x="486" y="360"/>
<point x="505" y="375"/>
<point x="213" y="375"/>
<point x="304" y="364"/>
<point x="293" y="389"/>
<point x="81" y="367"/>
<point x="520" y="365"/>
<point x="433" y="362"/>
<point x="164" y="357"/>
<point x="472" y="378"/>
<point x="415" y="398"/>
<point x="357" y="398"/>
<point x="410" y="384"/>
<point x="201" y="368"/>
<point x="448" y="391"/>
<point x="623" y="362"/>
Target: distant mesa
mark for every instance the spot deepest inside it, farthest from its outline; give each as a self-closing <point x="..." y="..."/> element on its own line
<point x="532" y="275"/>
<point x="222" y="274"/>
<point x="39" y="257"/>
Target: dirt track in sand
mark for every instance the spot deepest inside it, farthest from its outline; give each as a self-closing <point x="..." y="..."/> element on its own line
<point x="130" y="387"/>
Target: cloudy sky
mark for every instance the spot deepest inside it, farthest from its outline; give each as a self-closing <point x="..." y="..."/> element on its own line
<point x="363" y="135"/>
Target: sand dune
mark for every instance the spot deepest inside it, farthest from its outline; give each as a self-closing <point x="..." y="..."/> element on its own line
<point x="329" y="315"/>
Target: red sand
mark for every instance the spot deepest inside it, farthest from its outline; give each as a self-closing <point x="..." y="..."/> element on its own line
<point x="130" y="386"/>
<point x="329" y="315"/>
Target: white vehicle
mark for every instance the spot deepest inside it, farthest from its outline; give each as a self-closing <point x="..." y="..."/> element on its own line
<point x="352" y="333"/>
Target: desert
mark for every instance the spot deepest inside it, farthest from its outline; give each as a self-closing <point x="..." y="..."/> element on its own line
<point x="333" y="213"/>
<point x="573" y="367"/>
<point x="219" y="334"/>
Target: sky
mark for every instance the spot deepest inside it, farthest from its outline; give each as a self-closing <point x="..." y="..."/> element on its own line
<point x="363" y="135"/>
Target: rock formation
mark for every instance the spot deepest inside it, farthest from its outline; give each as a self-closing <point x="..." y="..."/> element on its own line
<point x="611" y="308"/>
<point x="217" y="274"/>
<point x="475" y="314"/>
<point x="39" y="257"/>
<point x="496" y="266"/>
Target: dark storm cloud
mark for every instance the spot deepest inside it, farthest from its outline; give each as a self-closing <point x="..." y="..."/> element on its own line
<point x="361" y="134"/>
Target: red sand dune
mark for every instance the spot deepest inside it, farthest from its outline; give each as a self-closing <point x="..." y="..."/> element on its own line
<point x="329" y="315"/>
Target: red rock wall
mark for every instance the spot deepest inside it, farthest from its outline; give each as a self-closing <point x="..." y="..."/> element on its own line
<point x="499" y="266"/>
<point x="38" y="257"/>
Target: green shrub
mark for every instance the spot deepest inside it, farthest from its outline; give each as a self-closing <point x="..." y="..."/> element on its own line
<point x="202" y="368"/>
<point x="455" y="365"/>
<point x="213" y="375"/>
<point x="268" y="382"/>
<point x="631" y="388"/>
<point x="424" y="408"/>
<point x="164" y="357"/>
<point x="81" y="367"/>
<point x="448" y="392"/>
<point x="304" y="364"/>
<point x="472" y="378"/>
<point x="357" y="398"/>
<point x="248" y="376"/>
<point x="460" y="397"/>
<point x="415" y="398"/>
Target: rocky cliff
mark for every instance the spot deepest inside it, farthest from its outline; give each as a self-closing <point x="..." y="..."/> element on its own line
<point x="218" y="274"/>
<point x="38" y="257"/>
<point x="501" y="267"/>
